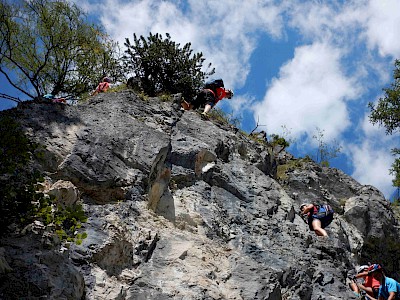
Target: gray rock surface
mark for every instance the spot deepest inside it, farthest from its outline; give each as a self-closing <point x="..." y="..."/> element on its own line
<point x="181" y="208"/>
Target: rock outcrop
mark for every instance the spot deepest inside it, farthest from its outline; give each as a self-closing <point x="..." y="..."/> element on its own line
<point x="182" y="208"/>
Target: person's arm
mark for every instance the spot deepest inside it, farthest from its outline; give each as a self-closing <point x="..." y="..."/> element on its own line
<point x="364" y="288"/>
<point x="308" y="208"/>
<point x="392" y="296"/>
<point x="392" y="289"/>
<point x="361" y="274"/>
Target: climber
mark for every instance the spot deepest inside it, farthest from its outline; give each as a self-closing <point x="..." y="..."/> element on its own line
<point x="317" y="217"/>
<point x="390" y="288"/>
<point x="209" y="96"/>
<point x="370" y="286"/>
<point x="103" y="86"/>
<point x="52" y="98"/>
<point x="353" y="284"/>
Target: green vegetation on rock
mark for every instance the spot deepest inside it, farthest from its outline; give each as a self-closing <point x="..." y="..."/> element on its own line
<point x="21" y="201"/>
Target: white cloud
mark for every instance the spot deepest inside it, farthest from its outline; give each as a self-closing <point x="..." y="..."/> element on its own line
<point x="372" y="164"/>
<point x="225" y="31"/>
<point x="310" y="92"/>
<point x="371" y="156"/>
<point x="383" y="26"/>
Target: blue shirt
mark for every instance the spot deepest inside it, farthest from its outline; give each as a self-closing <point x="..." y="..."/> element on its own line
<point x="390" y="285"/>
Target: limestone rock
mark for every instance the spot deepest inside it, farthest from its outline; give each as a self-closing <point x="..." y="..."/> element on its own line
<point x="182" y="208"/>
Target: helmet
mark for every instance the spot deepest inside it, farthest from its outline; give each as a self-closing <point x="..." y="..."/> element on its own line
<point x="362" y="268"/>
<point x="230" y="94"/>
<point x="106" y="79"/>
<point x="304" y="204"/>
<point x="374" y="268"/>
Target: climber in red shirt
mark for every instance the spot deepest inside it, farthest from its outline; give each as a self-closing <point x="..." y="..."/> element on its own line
<point x="103" y="86"/>
<point x="210" y="95"/>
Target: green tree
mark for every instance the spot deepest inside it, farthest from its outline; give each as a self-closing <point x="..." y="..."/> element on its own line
<point x="49" y="46"/>
<point x="162" y="66"/>
<point x="387" y="113"/>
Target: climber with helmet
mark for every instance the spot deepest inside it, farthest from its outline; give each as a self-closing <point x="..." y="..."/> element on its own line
<point x="317" y="217"/>
<point x="390" y="288"/>
<point x="212" y="100"/>
<point x="209" y="96"/>
<point x="103" y="86"/>
<point x="370" y="285"/>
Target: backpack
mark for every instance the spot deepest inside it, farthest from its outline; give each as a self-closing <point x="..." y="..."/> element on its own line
<point x="321" y="211"/>
<point x="214" y="84"/>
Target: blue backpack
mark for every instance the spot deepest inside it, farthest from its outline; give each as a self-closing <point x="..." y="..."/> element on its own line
<point x="321" y="211"/>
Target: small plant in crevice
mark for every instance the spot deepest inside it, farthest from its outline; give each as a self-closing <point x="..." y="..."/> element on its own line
<point x="325" y="152"/>
<point x="279" y="141"/>
<point x="66" y="221"/>
<point x="222" y="117"/>
<point x="142" y="96"/>
<point x="165" y="98"/>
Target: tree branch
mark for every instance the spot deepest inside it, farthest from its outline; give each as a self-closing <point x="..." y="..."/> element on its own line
<point x="8" y="97"/>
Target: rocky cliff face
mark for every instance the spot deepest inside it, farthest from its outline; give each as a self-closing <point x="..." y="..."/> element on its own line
<point x="181" y="208"/>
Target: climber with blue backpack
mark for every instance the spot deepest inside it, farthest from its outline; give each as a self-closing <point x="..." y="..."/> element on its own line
<point x="317" y="217"/>
<point x="209" y="96"/>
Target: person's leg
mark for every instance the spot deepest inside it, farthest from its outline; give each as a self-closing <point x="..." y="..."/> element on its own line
<point x="316" y="224"/>
<point x="207" y="108"/>
<point x="209" y="101"/>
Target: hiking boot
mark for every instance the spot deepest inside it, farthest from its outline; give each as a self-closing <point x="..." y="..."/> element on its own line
<point x="204" y="116"/>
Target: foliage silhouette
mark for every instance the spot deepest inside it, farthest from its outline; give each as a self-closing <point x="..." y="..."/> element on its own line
<point x="387" y="114"/>
<point x="21" y="202"/>
<point x="162" y="66"/>
<point x="49" y="47"/>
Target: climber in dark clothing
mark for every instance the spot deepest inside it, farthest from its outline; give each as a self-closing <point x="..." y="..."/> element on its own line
<point x="317" y="217"/>
<point x="209" y="96"/>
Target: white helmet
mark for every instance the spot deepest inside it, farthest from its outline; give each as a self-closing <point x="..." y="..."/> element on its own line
<point x="362" y="268"/>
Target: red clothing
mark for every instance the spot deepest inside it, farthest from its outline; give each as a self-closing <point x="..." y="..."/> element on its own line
<point x="370" y="281"/>
<point x="221" y="94"/>
<point x="102" y="87"/>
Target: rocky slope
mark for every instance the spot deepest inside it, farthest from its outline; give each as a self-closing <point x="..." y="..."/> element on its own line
<point x="181" y="208"/>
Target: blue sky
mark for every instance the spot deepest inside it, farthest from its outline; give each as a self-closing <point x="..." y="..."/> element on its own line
<point x="302" y="65"/>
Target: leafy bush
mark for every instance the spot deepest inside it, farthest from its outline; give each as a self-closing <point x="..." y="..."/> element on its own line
<point x="20" y="201"/>
<point x="161" y="65"/>
<point x="279" y="141"/>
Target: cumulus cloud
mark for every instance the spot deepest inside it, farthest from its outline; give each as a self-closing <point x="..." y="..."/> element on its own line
<point x="371" y="156"/>
<point x="311" y="91"/>
<point x="225" y="31"/>
<point x="383" y="26"/>
<point x="372" y="164"/>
